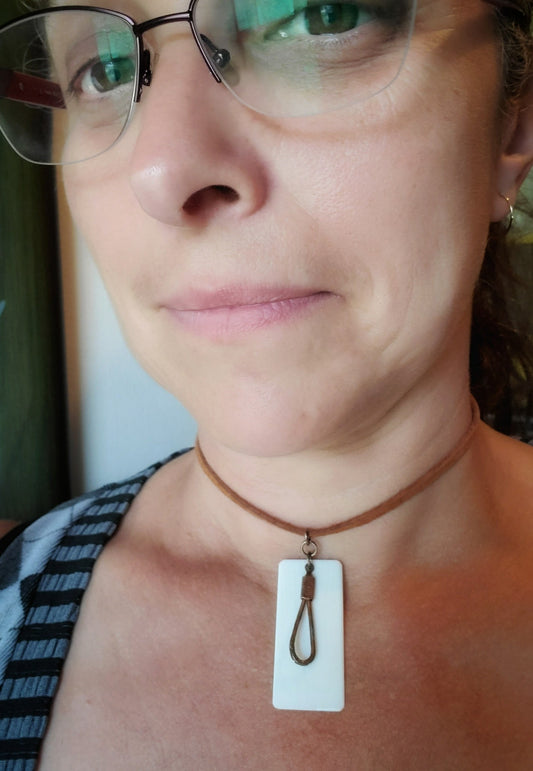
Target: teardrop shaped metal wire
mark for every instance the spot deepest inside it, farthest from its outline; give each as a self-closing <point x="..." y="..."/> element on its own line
<point x="292" y="644"/>
<point x="307" y="594"/>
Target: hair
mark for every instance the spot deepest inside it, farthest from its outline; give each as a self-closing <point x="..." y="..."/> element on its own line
<point x="501" y="345"/>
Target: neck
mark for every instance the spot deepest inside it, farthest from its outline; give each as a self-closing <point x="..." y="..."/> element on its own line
<point x="403" y="495"/>
<point x="322" y="486"/>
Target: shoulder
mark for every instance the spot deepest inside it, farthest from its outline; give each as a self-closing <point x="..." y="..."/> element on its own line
<point x="110" y="501"/>
<point x="59" y="550"/>
<point x="513" y="457"/>
<point x="506" y="467"/>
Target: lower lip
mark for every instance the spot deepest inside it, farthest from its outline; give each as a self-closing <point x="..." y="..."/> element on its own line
<point x="238" y="320"/>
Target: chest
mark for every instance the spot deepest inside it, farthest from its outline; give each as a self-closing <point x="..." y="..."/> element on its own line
<point x="183" y="680"/>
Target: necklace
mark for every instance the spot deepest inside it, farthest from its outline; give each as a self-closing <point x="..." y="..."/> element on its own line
<point x="314" y="680"/>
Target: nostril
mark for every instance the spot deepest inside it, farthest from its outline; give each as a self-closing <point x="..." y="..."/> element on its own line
<point x="228" y="193"/>
<point x="209" y="198"/>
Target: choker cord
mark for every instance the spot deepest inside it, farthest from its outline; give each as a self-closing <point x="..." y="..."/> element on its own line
<point x="403" y="495"/>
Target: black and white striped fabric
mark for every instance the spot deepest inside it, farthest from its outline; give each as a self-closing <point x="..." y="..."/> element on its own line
<point x="43" y="575"/>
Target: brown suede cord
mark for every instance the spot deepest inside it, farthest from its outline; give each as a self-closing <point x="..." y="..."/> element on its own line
<point x="365" y="517"/>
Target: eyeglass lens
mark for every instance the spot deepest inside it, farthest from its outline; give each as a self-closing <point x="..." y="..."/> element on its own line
<point x="69" y="78"/>
<point x="297" y="57"/>
<point x="67" y="81"/>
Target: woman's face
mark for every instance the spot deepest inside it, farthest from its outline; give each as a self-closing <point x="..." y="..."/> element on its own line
<point x="291" y="280"/>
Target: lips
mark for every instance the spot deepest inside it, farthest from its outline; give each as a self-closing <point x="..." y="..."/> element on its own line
<point x="236" y="311"/>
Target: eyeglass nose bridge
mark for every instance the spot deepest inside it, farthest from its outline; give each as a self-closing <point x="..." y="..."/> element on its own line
<point x="220" y="55"/>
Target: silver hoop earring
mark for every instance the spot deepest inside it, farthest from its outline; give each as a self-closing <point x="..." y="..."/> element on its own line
<point x="508" y="220"/>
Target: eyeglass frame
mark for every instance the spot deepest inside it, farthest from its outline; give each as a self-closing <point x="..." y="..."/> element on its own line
<point x="143" y="68"/>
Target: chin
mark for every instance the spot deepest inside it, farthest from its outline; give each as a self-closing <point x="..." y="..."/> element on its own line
<point x="283" y="427"/>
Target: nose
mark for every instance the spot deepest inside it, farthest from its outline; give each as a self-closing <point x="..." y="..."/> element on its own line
<point x="192" y="161"/>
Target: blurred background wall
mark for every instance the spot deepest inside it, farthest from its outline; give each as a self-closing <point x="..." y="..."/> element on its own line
<point x="34" y="472"/>
<point x="76" y="411"/>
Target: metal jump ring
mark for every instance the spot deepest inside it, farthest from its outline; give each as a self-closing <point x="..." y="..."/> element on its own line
<point x="309" y="548"/>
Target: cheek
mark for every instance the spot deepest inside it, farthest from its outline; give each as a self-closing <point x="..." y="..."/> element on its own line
<point x="404" y="203"/>
<point x="104" y="210"/>
<point x="104" y="214"/>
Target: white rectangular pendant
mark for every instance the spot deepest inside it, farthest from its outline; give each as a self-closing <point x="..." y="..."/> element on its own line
<point x="318" y="686"/>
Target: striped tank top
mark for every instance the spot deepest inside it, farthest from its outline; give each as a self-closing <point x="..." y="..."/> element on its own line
<point x="44" y="572"/>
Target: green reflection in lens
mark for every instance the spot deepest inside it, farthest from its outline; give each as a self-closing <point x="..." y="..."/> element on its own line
<point x="114" y="44"/>
<point x="251" y="14"/>
<point x="116" y="66"/>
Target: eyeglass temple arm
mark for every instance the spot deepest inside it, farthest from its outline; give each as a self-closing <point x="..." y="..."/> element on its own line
<point x="220" y="56"/>
<point x="30" y="89"/>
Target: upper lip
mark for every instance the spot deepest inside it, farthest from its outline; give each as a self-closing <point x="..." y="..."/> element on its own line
<point x="235" y="296"/>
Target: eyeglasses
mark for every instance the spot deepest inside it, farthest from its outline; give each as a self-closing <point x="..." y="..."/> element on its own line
<point x="70" y="76"/>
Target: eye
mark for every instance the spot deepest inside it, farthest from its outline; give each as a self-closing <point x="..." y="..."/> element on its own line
<point x="322" y="19"/>
<point x="102" y="76"/>
<point x="99" y="62"/>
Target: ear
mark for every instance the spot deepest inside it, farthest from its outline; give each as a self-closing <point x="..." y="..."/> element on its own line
<point x="516" y="157"/>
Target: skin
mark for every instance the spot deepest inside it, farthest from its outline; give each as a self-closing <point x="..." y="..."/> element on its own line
<point x="386" y="207"/>
<point x="393" y="334"/>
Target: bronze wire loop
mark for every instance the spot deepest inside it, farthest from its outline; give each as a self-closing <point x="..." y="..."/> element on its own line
<point x="307" y="594"/>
